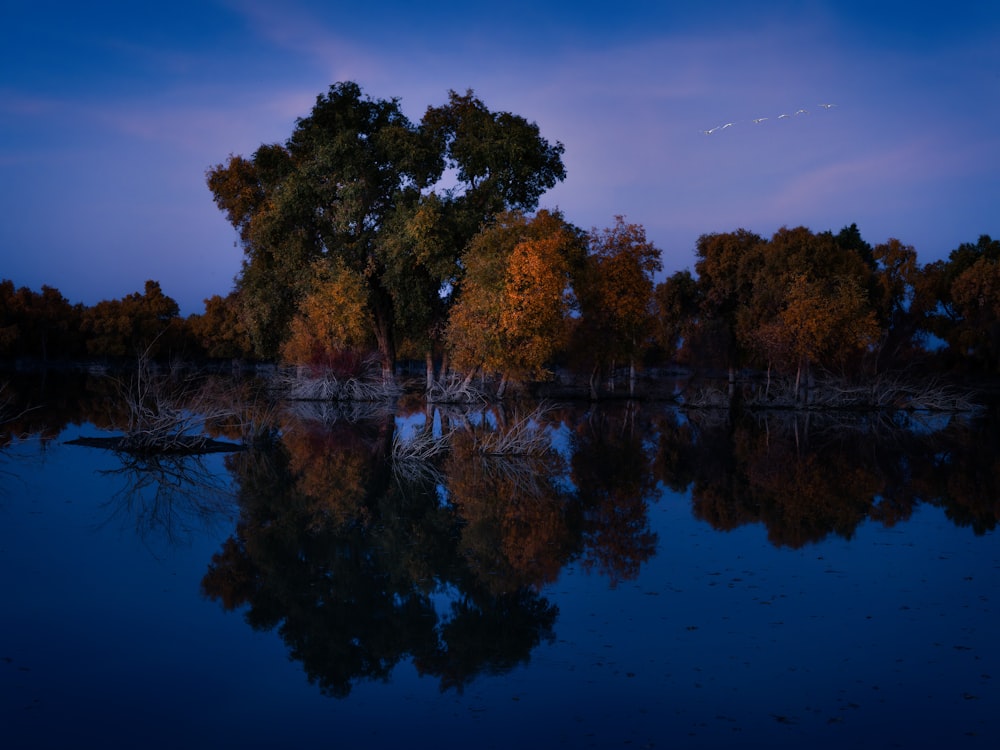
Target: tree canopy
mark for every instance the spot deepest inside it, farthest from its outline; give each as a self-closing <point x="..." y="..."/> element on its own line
<point x="357" y="187"/>
<point x="513" y="315"/>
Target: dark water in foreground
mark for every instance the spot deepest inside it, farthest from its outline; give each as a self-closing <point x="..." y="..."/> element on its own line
<point x="665" y="581"/>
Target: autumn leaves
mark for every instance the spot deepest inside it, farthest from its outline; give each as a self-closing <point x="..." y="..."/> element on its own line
<point x="353" y="240"/>
<point x="537" y="290"/>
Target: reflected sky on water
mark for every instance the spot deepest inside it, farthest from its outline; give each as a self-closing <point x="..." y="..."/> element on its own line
<point x="664" y="588"/>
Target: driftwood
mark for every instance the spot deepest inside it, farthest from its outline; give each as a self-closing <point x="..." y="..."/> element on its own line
<point x="168" y="416"/>
<point x="298" y="385"/>
<point x="186" y="445"/>
<point x="454" y="389"/>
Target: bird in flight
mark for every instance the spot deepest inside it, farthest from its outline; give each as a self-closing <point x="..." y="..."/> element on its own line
<point x="759" y="120"/>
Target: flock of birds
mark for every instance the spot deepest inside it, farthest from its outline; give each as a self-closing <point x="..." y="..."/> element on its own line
<point x="759" y="120"/>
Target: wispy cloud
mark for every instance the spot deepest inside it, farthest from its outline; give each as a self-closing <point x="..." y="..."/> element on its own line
<point x="301" y="32"/>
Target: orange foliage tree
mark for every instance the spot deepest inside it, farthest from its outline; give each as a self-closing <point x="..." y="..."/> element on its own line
<point x="512" y="316"/>
<point x="956" y="300"/>
<point x="331" y="319"/>
<point x="220" y="331"/>
<point x="616" y="295"/>
<point x="821" y="321"/>
<point x="976" y="295"/>
<point x="38" y="324"/>
<point x="146" y="323"/>
<point x="895" y="276"/>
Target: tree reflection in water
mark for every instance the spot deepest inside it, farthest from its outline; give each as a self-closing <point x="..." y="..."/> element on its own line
<point x="363" y="556"/>
<point x="346" y="560"/>
<point x="163" y="497"/>
<point x="349" y="557"/>
<point x="808" y="475"/>
<point x="169" y="496"/>
<point x="612" y="460"/>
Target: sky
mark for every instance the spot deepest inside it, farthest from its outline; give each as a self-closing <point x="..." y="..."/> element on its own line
<point x="112" y="112"/>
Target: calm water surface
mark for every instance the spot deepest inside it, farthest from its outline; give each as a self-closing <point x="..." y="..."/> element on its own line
<point x="762" y="602"/>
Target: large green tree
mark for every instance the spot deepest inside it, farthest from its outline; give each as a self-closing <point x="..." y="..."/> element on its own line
<point x="326" y="193"/>
<point x="359" y="186"/>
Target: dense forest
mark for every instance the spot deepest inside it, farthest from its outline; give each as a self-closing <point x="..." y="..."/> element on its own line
<point x="368" y="238"/>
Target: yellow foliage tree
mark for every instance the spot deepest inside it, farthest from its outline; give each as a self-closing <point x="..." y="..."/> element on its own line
<point x="512" y="316"/>
<point x="332" y="318"/>
<point x="535" y="306"/>
<point x="823" y="322"/>
<point x="616" y="295"/>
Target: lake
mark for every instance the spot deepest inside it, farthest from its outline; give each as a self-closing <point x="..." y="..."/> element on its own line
<point x="659" y="578"/>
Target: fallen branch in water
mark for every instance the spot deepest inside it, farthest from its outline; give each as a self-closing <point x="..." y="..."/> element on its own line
<point x="168" y="416"/>
<point x="884" y="392"/>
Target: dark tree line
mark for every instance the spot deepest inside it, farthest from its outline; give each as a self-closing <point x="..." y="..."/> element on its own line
<point x="801" y="301"/>
<point x="44" y="325"/>
<point x="789" y="305"/>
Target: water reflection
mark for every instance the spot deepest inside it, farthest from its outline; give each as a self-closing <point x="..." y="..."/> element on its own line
<point x="350" y="560"/>
<point x="808" y="476"/>
<point x="168" y="497"/>
<point x="612" y="459"/>
<point x="358" y="569"/>
<point x="362" y="560"/>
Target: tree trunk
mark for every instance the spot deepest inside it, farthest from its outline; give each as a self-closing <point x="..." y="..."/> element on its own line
<point x="388" y="365"/>
<point x="595" y="376"/>
<point x="503" y="385"/>
<point x="442" y="372"/>
<point x="429" y="363"/>
<point x="384" y="339"/>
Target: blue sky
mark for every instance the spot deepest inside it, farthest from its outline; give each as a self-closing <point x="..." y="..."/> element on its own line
<point x="111" y="112"/>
